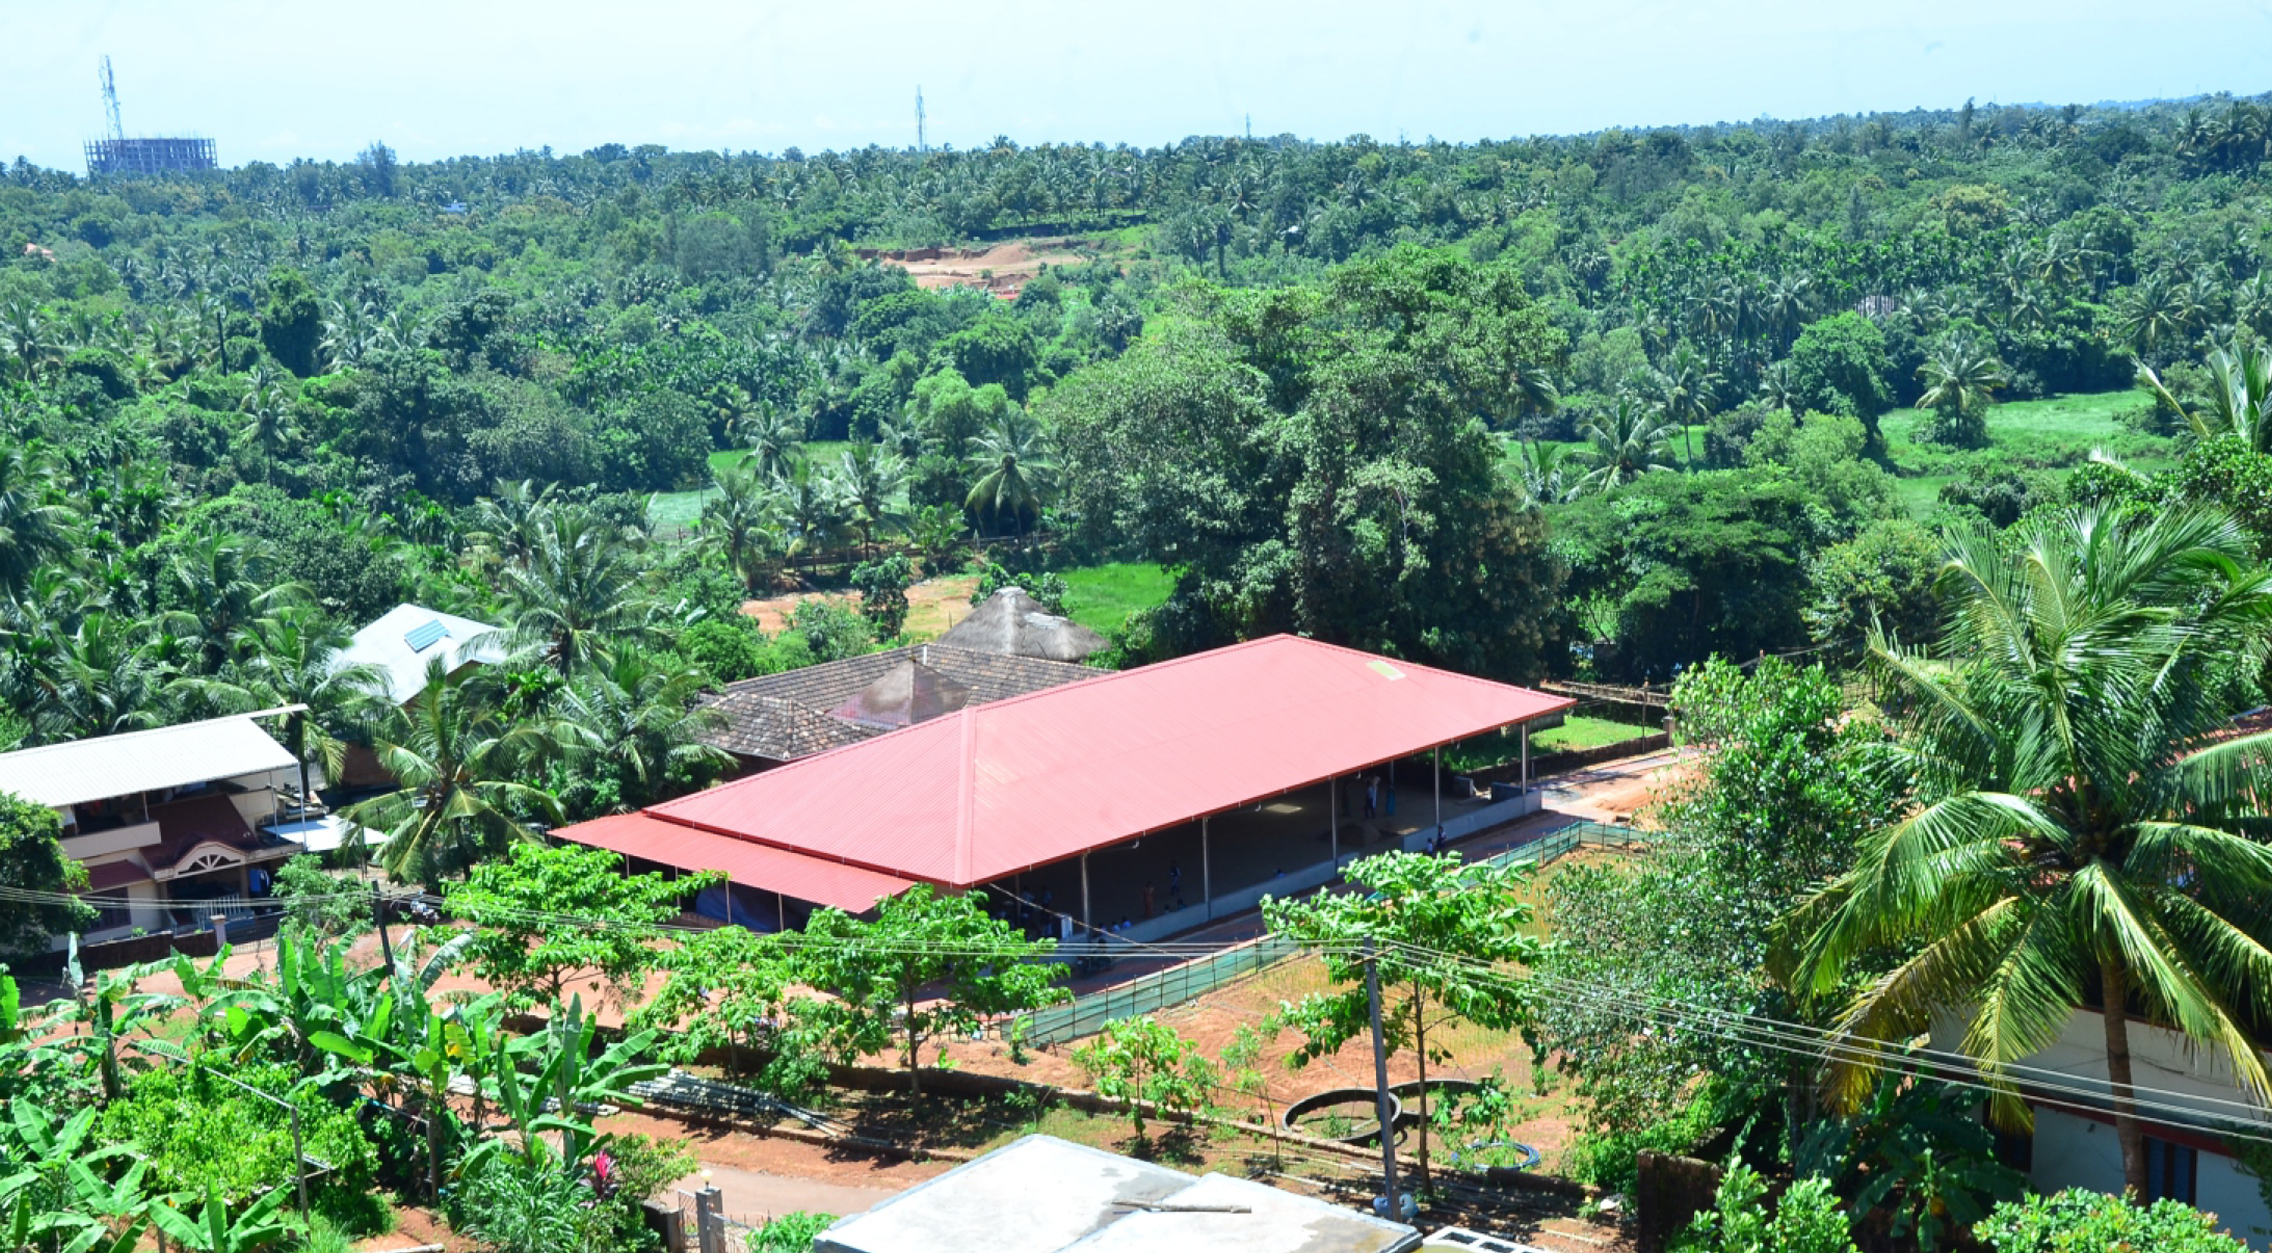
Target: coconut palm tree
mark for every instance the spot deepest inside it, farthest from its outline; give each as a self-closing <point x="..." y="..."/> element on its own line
<point x="104" y="676"/>
<point x="578" y="594"/>
<point x="639" y="722"/>
<point x="2079" y="834"/>
<point x="1531" y="394"/>
<point x="268" y="423"/>
<point x="292" y="659"/>
<point x="2239" y="400"/>
<point x="1629" y="439"/>
<point x="873" y="479"/>
<point x="2151" y="313"/>
<point x="1684" y="390"/>
<point x="1545" y="474"/>
<point x="456" y="761"/>
<point x="1779" y="388"/>
<point x="35" y="527"/>
<point x="812" y="502"/>
<point x="1017" y="472"/>
<point x="28" y="336"/>
<point x="1960" y="378"/>
<point x="772" y="436"/>
<point x="742" y="523"/>
<point x="224" y="584"/>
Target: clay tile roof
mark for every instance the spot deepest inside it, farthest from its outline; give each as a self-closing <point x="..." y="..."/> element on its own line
<point x="908" y="693"/>
<point x="777" y="728"/>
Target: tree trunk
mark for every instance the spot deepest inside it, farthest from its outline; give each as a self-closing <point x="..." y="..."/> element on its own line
<point x="914" y="1045"/>
<point x="434" y="1150"/>
<point x="2126" y="1131"/>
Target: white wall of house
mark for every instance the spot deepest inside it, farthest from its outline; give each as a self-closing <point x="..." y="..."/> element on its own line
<point x="99" y="846"/>
<point x="2076" y="1152"/>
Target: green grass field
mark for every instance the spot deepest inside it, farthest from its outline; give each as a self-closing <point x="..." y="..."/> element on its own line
<point x="667" y="511"/>
<point x="1578" y="731"/>
<point x="2060" y="431"/>
<point x="1101" y="597"/>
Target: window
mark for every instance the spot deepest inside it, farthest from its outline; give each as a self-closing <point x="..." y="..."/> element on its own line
<point x="2170" y="1169"/>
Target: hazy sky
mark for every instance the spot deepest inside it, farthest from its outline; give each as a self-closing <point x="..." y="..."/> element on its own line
<point x="321" y="78"/>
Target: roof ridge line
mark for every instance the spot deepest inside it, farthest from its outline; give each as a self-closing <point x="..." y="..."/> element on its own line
<point x="966" y="800"/>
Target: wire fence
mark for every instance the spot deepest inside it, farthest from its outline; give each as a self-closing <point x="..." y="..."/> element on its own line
<point x="1181" y="984"/>
<point x="1148" y="994"/>
<point x="1564" y="841"/>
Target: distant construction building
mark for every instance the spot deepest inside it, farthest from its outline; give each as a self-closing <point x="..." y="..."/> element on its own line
<point x="116" y="154"/>
<point x="149" y="156"/>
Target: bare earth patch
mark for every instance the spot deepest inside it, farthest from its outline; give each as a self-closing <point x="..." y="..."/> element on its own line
<point x="1001" y="269"/>
<point x="933" y="606"/>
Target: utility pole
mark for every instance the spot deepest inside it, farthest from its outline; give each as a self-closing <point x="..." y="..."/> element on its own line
<point x="1380" y="1084"/>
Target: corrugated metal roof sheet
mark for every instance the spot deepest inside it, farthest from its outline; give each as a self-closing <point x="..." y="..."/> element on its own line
<point x="813" y="879"/>
<point x="995" y="789"/>
<point x="406" y="637"/>
<point x="141" y="761"/>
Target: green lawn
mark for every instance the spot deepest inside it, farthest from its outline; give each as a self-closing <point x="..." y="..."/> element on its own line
<point x="1581" y="732"/>
<point x="669" y="510"/>
<point x="1101" y="597"/>
<point x="2055" y="433"/>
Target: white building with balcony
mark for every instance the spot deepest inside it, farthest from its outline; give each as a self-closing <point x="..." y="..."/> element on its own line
<point x="173" y="825"/>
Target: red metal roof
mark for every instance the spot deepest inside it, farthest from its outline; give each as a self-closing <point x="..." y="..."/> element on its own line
<point x="988" y="791"/>
<point x="813" y="879"/>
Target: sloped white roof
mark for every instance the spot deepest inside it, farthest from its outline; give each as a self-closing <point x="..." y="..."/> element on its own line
<point x="402" y="641"/>
<point x="141" y="761"/>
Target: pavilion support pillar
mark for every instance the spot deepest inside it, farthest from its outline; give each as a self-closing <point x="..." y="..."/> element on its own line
<point x="1086" y="925"/>
<point x="1439" y="764"/>
<point x="1333" y="806"/>
<point x="1526" y="757"/>
<point x="1206" y="874"/>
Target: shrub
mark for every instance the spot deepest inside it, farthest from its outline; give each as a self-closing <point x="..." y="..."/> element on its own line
<point x="200" y="1133"/>
<point x="1806" y="1220"/>
<point x="791" y="1233"/>
<point x="2076" y="1221"/>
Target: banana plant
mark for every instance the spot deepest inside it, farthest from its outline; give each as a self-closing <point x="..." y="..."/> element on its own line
<point x="564" y="1079"/>
<point x="27" y="1228"/>
<point x="113" y="1011"/>
<point x="258" y="1227"/>
<point x="22" y="1053"/>
<point x="54" y="1196"/>
<point x="422" y="1052"/>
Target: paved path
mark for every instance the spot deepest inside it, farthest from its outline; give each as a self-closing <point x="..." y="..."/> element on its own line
<point x="753" y="1196"/>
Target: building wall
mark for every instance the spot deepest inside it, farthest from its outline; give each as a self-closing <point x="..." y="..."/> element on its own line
<point x="2074" y="1152"/>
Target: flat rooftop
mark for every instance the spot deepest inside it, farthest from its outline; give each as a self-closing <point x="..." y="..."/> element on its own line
<point x="1041" y="1194"/>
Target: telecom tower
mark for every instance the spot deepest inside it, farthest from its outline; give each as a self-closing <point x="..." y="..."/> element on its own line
<point x="921" y="144"/>
<point x="116" y="154"/>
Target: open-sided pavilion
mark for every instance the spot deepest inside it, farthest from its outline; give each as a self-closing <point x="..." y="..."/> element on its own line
<point x="1178" y="791"/>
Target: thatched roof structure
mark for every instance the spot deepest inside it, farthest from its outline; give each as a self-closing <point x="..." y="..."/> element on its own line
<point x="1013" y="624"/>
